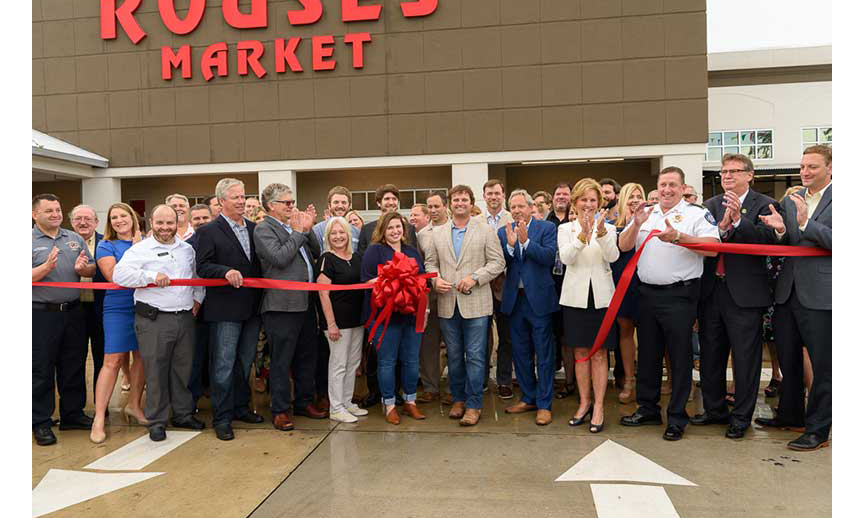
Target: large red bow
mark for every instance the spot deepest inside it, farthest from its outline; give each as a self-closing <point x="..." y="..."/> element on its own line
<point x="399" y="288"/>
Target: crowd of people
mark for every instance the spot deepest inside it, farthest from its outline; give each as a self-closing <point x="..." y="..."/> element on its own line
<point x="496" y="269"/>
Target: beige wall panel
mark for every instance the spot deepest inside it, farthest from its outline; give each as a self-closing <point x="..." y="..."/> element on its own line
<point x="39" y="114"/>
<point x="92" y="73"/>
<point x="61" y="112"/>
<point x="97" y="141"/>
<point x="297" y="99"/>
<point x="672" y="6"/>
<point x="93" y="111"/>
<point x="482" y="89"/>
<point x="637" y="7"/>
<point x="445" y="132"/>
<point x="38" y="47"/>
<point x="124" y="71"/>
<point x="520" y="45"/>
<point x="685" y="34"/>
<point x="59" y="38"/>
<point x="332" y="137"/>
<point x="644" y="79"/>
<point x="554" y="10"/>
<point x="686" y="121"/>
<point x="368" y="95"/>
<point x="602" y="82"/>
<point x="406" y="93"/>
<point x="159" y="145"/>
<point x="157" y="107"/>
<point x="369" y="136"/>
<point x="193" y="144"/>
<point x="522" y="129"/>
<point x="641" y="37"/>
<point x="87" y="36"/>
<point x="261" y="101"/>
<point x="59" y="76"/>
<point x="448" y="15"/>
<point x="407" y="134"/>
<point x="298" y="139"/>
<point x="484" y="131"/>
<point x="481" y="47"/>
<point x="443" y="91"/>
<point x="686" y="77"/>
<point x="37" y="10"/>
<point x="332" y="97"/>
<point x="601" y="39"/>
<point x="193" y="104"/>
<point x="442" y="50"/>
<point x="603" y="125"/>
<point x="562" y="127"/>
<point x="262" y="141"/>
<point x="126" y="147"/>
<point x="85" y="8"/>
<point x="57" y="9"/>
<point x="226" y="142"/>
<point x="601" y="8"/>
<point x="38" y="78"/>
<point x="644" y="122"/>
<point x="521" y="86"/>
<point x="226" y="102"/>
<point x="520" y="11"/>
<point x="480" y="12"/>
<point x="562" y="84"/>
<point x="561" y="42"/>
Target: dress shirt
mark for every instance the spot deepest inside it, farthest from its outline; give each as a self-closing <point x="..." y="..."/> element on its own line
<point x="87" y="294"/>
<point x="458" y="235"/>
<point x="493" y="220"/>
<point x="242" y="233"/>
<point x="302" y="250"/>
<point x="140" y="264"/>
<point x="189" y="233"/>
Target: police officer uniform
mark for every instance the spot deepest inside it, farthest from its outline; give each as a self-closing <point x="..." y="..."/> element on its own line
<point x="669" y="293"/>
<point x="59" y="340"/>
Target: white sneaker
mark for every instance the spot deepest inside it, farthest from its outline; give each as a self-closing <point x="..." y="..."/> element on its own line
<point x="356" y="410"/>
<point x="343" y="417"/>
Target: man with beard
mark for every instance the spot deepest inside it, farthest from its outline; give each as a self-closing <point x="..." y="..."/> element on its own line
<point x="610" y="188"/>
<point x="338" y="204"/>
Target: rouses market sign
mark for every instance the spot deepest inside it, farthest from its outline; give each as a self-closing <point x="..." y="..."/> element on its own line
<point x="214" y="60"/>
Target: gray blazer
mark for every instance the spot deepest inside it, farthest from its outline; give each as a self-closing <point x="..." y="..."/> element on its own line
<point x="280" y="257"/>
<point x="811" y="276"/>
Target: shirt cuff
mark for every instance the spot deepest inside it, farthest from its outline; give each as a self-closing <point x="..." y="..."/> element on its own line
<point x="527" y="242"/>
<point x="736" y="223"/>
<point x="150" y="277"/>
<point x="779" y="235"/>
<point x="511" y="250"/>
<point x="802" y="227"/>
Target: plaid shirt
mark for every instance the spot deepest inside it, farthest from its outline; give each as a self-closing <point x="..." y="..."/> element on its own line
<point x="242" y="234"/>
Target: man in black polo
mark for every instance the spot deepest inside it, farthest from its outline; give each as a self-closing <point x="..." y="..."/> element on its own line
<point x="59" y="341"/>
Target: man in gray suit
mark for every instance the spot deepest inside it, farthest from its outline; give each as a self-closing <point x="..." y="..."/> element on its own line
<point x="282" y="242"/>
<point x="802" y="315"/>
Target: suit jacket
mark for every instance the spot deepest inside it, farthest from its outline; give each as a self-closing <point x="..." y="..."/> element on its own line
<point x="747" y="276"/>
<point x="497" y="283"/>
<point x="480" y="254"/>
<point x="368" y="228"/>
<point x="587" y="265"/>
<point x="811" y="276"/>
<point x="279" y="253"/>
<point x="533" y="267"/>
<point x="217" y="250"/>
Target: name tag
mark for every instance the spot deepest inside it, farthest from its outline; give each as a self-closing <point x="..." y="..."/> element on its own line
<point x="161" y="254"/>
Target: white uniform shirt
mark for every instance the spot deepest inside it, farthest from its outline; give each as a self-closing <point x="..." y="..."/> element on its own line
<point x="143" y="261"/>
<point x="666" y="263"/>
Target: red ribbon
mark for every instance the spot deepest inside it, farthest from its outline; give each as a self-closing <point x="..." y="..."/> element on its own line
<point x="399" y="288"/>
<point x="248" y="282"/>
<point x="726" y="248"/>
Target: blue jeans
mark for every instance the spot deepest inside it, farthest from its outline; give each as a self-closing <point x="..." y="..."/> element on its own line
<point x="466" y="357"/>
<point x="232" y="350"/>
<point x="403" y="342"/>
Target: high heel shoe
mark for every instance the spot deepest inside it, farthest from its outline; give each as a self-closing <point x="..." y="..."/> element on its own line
<point x="569" y="390"/>
<point x="128" y="416"/>
<point x="627" y="394"/>
<point x="97" y="438"/>
<point x="576" y="420"/>
<point x="597" y="428"/>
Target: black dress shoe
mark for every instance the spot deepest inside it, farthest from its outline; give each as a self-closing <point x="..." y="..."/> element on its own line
<point x="224" y="432"/>
<point x="637" y="419"/>
<point x="673" y="433"/>
<point x="704" y="418"/>
<point x="776" y="423"/>
<point x="81" y="422"/>
<point x="188" y="422"/>
<point x="370" y="400"/>
<point x="157" y="433"/>
<point x="736" y="431"/>
<point x="249" y="417"/>
<point x="808" y="442"/>
<point x="44" y="436"/>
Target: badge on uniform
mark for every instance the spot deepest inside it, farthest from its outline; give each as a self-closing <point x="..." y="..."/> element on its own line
<point x="710" y="218"/>
<point x="73" y="245"/>
<point x="678" y="218"/>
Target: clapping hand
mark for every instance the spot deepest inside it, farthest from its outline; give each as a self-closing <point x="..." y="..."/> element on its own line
<point x="668" y="234"/>
<point x="51" y="262"/>
<point x="733" y="210"/>
<point x="801" y="207"/>
<point x="511" y="234"/>
<point x="774" y="220"/>
<point x="640" y="215"/>
<point x="586" y="221"/>
<point x="80" y="262"/>
<point x="310" y="209"/>
<point x="522" y="232"/>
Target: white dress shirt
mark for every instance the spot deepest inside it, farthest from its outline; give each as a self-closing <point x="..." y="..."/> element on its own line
<point x="140" y="265"/>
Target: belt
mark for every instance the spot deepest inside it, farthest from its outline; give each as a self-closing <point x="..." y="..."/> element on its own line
<point x="64" y="306"/>
<point x="679" y="284"/>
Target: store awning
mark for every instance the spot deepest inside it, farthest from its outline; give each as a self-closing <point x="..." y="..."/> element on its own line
<point x="52" y="147"/>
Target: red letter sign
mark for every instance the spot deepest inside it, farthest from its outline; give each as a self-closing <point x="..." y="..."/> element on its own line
<point x="257" y="18"/>
<point x="319" y="53"/>
<point x="311" y="13"/>
<point x="356" y="40"/>
<point x="285" y="53"/>
<point x="175" y="24"/>
<point x="110" y="15"/>
<point x="183" y="59"/>
<point x="419" y="8"/>
<point x="216" y="55"/>
<point x="244" y="58"/>
<point x="352" y="12"/>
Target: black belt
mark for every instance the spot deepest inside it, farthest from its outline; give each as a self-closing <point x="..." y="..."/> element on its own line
<point x="679" y="284"/>
<point x="47" y="306"/>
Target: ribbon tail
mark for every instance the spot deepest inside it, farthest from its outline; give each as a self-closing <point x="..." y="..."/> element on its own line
<point x="420" y="314"/>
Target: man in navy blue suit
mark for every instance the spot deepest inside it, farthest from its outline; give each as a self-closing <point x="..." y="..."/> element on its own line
<point x="529" y="250"/>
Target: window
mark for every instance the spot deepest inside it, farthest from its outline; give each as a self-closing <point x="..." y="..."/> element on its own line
<point x="758" y="144"/>
<point x="815" y="135"/>
<point x="365" y="200"/>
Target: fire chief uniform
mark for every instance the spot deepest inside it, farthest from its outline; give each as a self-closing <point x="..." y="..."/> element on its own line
<point x="735" y="291"/>
<point x="668" y="297"/>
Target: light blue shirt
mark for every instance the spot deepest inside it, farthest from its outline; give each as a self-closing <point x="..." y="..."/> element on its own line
<point x="302" y="250"/>
<point x="493" y="220"/>
<point x="242" y="234"/>
<point x="458" y="235"/>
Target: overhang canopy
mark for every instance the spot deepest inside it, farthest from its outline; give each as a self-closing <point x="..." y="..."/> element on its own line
<point x="51" y="147"/>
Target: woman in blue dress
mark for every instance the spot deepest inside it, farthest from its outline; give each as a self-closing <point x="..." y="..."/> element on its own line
<point x="121" y="232"/>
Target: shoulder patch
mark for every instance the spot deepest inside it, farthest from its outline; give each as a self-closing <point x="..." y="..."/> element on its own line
<point x="710" y="218"/>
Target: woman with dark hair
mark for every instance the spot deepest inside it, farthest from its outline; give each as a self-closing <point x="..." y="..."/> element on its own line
<point x="400" y="341"/>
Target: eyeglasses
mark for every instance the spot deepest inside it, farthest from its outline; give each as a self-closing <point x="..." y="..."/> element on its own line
<point x="288" y="203"/>
<point x="732" y="171"/>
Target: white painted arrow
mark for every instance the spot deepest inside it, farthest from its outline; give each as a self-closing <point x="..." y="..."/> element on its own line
<point x="612" y="462"/>
<point x="61" y="488"/>
<point x="141" y="452"/>
<point x="631" y="501"/>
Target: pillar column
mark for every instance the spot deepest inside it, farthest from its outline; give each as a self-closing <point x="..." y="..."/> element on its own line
<point x="691" y="165"/>
<point x="100" y="193"/>
<point x="474" y="176"/>
<point x="289" y="178"/>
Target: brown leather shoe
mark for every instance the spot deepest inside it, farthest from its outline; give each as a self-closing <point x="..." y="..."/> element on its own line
<point x="519" y="408"/>
<point x="457" y="411"/>
<point x="311" y="411"/>
<point x="283" y="421"/>
<point x="428" y="397"/>
<point x="472" y="415"/>
<point x="392" y="416"/>
<point x="323" y="405"/>
<point x="412" y="410"/>
<point x="544" y="417"/>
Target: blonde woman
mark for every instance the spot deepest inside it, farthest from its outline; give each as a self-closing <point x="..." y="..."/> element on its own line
<point x="628" y="199"/>
<point x="342" y="322"/>
<point x="354" y="219"/>
<point x="121" y="232"/>
<point x="587" y="246"/>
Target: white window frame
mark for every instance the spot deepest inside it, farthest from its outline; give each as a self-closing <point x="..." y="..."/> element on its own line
<point x="818" y="128"/>
<point x="755" y="144"/>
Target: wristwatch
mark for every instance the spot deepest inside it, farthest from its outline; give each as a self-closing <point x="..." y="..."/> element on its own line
<point x="475" y="277"/>
<point x="677" y="237"/>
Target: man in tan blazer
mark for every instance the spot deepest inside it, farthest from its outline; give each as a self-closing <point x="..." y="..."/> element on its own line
<point x="496" y="216"/>
<point x="467" y="255"/>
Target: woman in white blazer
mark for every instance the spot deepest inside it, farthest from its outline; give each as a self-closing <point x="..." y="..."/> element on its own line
<point x="587" y="246"/>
